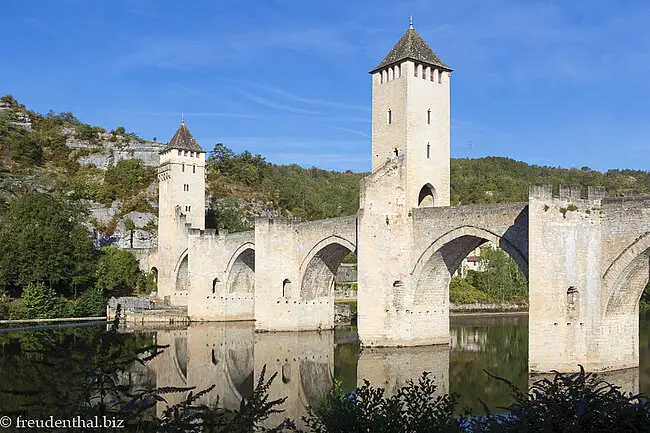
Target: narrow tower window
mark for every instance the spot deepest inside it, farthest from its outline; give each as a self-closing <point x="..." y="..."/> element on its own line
<point x="429" y="116"/>
<point x="390" y="116"/>
<point x="397" y="71"/>
<point x="286" y="288"/>
<point x="183" y="167"/>
<point x="428" y="150"/>
<point x="440" y="78"/>
<point x="194" y="169"/>
<point x="415" y="70"/>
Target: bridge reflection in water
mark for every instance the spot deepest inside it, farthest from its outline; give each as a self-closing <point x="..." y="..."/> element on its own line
<point x="231" y="357"/>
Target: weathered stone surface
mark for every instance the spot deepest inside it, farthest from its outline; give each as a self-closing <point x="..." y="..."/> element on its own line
<point x="109" y="149"/>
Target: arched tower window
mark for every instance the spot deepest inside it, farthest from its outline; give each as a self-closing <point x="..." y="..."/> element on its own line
<point x="415" y="70"/>
<point x="389" y="117"/>
<point x="428" y="150"/>
<point x="390" y="74"/>
<point x="194" y="169"/>
<point x="429" y="116"/>
<point x="440" y="78"/>
<point x="183" y="167"/>
<point x="397" y="71"/>
<point x="427" y="196"/>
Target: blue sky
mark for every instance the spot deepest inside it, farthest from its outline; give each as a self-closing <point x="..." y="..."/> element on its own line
<point x="547" y="82"/>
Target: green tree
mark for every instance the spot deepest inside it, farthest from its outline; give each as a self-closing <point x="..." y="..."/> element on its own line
<point x="500" y="276"/>
<point x="18" y="143"/>
<point x="42" y="240"/>
<point x="38" y="302"/>
<point x="118" y="273"/>
<point x="91" y="304"/>
<point x="125" y="180"/>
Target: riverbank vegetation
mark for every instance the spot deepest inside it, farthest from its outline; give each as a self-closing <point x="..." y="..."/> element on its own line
<point x="87" y="372"/>
<point x="497" y="281"/>
<point x="48" y="260"/>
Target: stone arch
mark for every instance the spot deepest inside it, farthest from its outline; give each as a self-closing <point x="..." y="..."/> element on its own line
<point x="241" y="270"/>
<point x="427" y="196"/>
<point x="435" y="266"/>
<point x="627" y="276"/>
<point x="319" y="267"/>
<point x="315" y="381"/>
<point x="240" y="371"/>
<point x="179" y="356"/>
<point x="182" y="273"/>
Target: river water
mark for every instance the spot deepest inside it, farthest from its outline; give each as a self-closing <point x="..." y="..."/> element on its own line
<point x="231" y="356"/>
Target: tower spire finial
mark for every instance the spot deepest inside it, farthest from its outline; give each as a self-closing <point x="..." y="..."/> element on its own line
<point x="182" y="118"/>
<point x="411" y="21"/>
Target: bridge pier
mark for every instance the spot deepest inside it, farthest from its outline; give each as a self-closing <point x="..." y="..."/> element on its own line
<point x="295" y="268"/>
<point x="588" y="268"/>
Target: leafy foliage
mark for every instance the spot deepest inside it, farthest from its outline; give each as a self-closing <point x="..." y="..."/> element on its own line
<point x="504" y="180"/>
<point x="91" y="382"/>
<point x="645" y="297"/>
<point x="415" y="408"/>
<point x="579" y="402"/>
<point x="91" y="304"/>
<point x="499" y="280"/>
<point x="118" y="273"/>
<point x="42" y="241"/>
<point x="237" y="180"/>
<point x="38" y="302"/>
<point x="125" y="179"/>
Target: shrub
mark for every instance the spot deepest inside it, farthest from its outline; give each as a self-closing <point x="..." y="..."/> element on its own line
<point x="579" y="402"/>
<point x="118" y="273"/>
<point x="38" y="302"/>
<point x="462" y="292"/>
<point x="415" y="408"/>
<point x="91" y="304"/>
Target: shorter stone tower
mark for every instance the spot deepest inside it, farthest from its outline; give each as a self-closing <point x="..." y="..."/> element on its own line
<point x="181" y="203"/>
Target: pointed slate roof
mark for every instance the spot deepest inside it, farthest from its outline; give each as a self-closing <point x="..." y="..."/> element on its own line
<point x="412" y="46"/>
<point x="183" y="140"/>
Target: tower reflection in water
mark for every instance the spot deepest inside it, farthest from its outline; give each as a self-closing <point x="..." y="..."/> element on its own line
<point x="231" y="357"/>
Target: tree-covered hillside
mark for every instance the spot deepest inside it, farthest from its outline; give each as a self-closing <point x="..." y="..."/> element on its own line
<point x="241" y="186"/>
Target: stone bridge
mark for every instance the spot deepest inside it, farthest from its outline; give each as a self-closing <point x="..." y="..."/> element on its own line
<point x="281" y="274"/>
<point x="587" y="258"/>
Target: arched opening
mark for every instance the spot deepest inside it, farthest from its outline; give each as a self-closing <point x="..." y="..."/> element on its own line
<point x="433" y="272"/>
<point x="286" y="373"/>
<point x="180" y="355"/>
<point x="319" y="272"/>
<point x="316" y="380"/>
<point x="215" y="282"/>
<point x="154" y="274"/>
<point x="626" y="284"/>
<point x="286" y="288"/>
<point x="240" y="364"/>
<point x="389" y="117"/>
<point x="427" y="196"/>
<point x="182" y="277"/>
<point x="241" y="277"/>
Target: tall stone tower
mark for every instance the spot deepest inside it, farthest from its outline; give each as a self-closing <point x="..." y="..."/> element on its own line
<point x="410" y="170"/>
<point x="181" y="203"/>
<point x="410" y="117"/>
